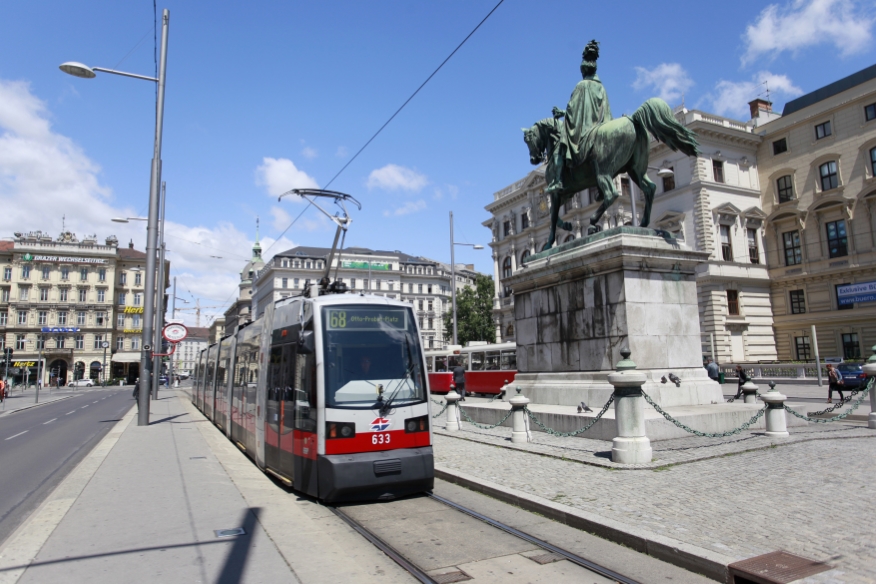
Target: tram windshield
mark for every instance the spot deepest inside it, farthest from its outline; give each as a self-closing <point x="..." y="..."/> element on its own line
<point x="371" y="351"/>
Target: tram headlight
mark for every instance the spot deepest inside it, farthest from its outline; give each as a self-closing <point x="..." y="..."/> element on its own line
<point x="420" y="424"/>
<point x="340" y="430"/>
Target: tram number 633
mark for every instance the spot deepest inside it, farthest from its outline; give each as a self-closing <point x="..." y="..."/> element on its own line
<point x="380" y="438"/>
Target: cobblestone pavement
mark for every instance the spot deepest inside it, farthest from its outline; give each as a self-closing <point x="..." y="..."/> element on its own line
<point x="739" y="496"/>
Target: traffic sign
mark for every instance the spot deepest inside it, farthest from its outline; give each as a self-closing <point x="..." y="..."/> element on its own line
<point x="175" y="332"/>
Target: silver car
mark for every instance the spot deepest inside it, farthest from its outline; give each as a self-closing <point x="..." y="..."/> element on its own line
<point x="81" y="383"/>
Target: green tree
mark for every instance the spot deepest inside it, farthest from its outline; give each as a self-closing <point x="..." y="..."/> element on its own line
<point x="474" y="313"/>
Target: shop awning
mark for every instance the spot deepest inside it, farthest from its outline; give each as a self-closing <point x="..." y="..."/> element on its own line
<point x="126" y="357"/>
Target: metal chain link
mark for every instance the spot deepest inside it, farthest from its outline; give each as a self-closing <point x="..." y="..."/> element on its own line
<point x="738" y="430"/>
<point x="553" y="432"/>
<point x="840" y="416"/>
<point x="842" y="402"/>
<point x="481" y="426"/>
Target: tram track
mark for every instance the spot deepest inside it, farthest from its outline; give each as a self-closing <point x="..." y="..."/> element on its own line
<point x="428" y="576"/>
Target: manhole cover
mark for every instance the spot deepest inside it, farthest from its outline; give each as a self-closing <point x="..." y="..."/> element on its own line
<point x="548" y="558"/>
<point x="448" y="577"/>
<point x="775" y="568"/>
<point x="230" y="532"/>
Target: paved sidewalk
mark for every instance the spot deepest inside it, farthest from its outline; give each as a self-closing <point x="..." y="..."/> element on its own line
<point x="145" y="504"/>
<point x="719" y="499"/>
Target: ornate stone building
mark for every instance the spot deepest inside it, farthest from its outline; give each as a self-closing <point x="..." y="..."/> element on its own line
<point x="241" y="311"/>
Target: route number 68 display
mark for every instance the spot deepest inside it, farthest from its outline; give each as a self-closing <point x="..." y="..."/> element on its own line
<point x="380" y="438"/>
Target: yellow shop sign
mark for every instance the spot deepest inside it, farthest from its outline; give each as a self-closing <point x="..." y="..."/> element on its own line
<point x="133" y="310"/>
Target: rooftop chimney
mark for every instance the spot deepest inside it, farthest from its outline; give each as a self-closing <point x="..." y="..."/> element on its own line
<point x="759" y="105"/>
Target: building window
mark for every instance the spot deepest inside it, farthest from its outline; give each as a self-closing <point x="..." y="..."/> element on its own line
<point x="121" y="298"/>
<point x="780" y="146"/>
<point x="524" y="255"/>
<point x="22" y="317"/>
<point x="804" y="349"/>
<point x="822" y="130"/>
<point x="793" y="252"/>
<point x="65" y="273"/>
<point x="828" y="175"/>
<point x="307" y="265"/>
<point x="669" y="181"/>
<point x="62" y="294"/>
<point x="873" y="162"/>
<point x="285" y="282"/>
<point x="4" y="319"/>
<point x="837" y="242"/>
<point x="25" y="272"/>
<point x="46" y="272"/>
<point x="870" y="112"/>
<point x="420" y="305"/>
<point x="506" y="267"/>
<point x="726" y="244"/>
<point x="785" y="188"/>
<point x="626" y="191"/>
<point x="718" y="170"/>
<point x="23" y="293"/>
<point x="733" y="302"/>
<point x="123" y="278"/>
<point x="136" y="321"/>
<point x="83" y="274"/>
<point x="524" y="220"/>
<point x="753" y="252"/>
<point x="80" y="318"/>
<point x="297" y="282"/>
<point x="506" y="228"/>
<point x="44" y="294"/>
<point x="98" y="339"/>
<point x="120" y="343"/>
<point x="431" y="323"/>
<point x="7" y="274"/>
<point x="42" y="317"/>
<point x="120" y="321"/>
<point x="391" y="285"/>
<point x="79" y="342"/>
<point x="798" y="302"/>
<point x="138" y="278"/>
<point x="138" y="298"/>
<point x="850" y="346"/>
<point x="101" y="275"/>
<point x="40" y="342"/>
<point x="430" y="306"/>
<point x="419" y="288"/>
<point x="101" y="295"/>
<point x="62" y="317"/>
<point x="839" y="306"/>
<point x="4" y="294"/>
<point x="60" y="342"/>
<point x="135" y="343"/>
<point x="83" y="294"/>
<point x="20" y="341"/>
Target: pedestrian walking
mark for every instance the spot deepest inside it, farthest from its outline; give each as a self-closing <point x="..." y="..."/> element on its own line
<point x="459" y="379"/>
<point x="743" y="378"/>
<point x="2" y="390"/>
<point x="712" y="370"/>
<point x="834" y="383"/>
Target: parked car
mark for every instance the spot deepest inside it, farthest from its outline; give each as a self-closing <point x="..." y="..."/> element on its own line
<point x="81" y="383"/>
<point x="853" y="375"/>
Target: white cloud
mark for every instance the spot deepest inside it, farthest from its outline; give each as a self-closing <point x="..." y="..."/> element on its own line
<point x="309" y="153"/>
<point x="393" y="177"/>
<point x="730" y="98"/>
<point x="279" y="175"/>
<point x="845" y="24"/>
<point x="669" y="80"/>
<point x="341" y="152"/>
<point x="452" y="190"/>
<point x="281" y="219"/>
<point x="406" y="209"/>
<point x="311" y="220"/>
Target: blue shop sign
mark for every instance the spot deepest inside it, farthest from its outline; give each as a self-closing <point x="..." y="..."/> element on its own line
<point x="60" y="329"/>
<point x="852" y="293"/>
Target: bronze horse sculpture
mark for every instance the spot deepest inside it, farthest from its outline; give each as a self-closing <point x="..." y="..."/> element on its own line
<point x="619" y="146"/>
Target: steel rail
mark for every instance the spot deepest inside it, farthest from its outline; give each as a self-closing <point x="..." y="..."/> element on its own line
<point x="576" y="559"/>
<point x="383" y="546"/>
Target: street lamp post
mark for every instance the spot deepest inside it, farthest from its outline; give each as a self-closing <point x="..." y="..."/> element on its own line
<point x="453" y="245"/>
<point x="173" y="300"/>
<point x="159" y="301"/>
<point x="80" y="70"/>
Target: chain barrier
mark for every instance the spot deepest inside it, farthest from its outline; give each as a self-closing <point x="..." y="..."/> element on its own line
<point x="442" y="409"/>
<point x="481" y="426"/>
<point x="732" y="432"/>
<point x="581" y="430"/>
<point x="840" y="416"/>
<point x="841" y="403"/>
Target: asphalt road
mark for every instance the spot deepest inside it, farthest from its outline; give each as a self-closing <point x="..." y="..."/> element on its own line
<point x="40" y="446"/>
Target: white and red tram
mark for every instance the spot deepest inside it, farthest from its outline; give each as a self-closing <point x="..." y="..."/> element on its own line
<point x="329" y="394"/>
<point x="487" y="367"/>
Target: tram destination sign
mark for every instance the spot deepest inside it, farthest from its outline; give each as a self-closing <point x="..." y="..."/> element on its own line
<point x="363" y="319"/>
<point x="852" y="293"/>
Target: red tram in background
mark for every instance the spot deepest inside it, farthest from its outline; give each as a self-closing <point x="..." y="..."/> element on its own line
<point x="487" y="367"/>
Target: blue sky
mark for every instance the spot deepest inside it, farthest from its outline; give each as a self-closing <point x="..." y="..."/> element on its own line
<point x="263" y="97"/>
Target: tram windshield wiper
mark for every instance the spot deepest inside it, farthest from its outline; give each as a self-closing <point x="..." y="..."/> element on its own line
<point x="387" y="404"/>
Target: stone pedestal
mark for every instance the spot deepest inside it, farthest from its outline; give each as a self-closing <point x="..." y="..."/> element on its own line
<point x="631" y="445"/>
<point x="749" y="392"/>
<point x="518" y="419"/>
<point x="575" y="306"/>
<point x="776" y="421"/>
<point x="452" y="413"/>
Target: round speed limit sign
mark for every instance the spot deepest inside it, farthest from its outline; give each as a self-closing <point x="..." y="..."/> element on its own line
<point x="175" y="332"/>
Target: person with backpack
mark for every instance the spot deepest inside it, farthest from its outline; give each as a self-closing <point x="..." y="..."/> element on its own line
<point x="834" y="383"/>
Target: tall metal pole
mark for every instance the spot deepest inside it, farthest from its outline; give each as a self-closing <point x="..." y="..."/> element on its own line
<point x="159" y="300"/>
<point x="172" y="315"/>
<point x="40" y="368"/>
<point x="152" y="236"/>
<point x="817" y="358"/>
<point x="453" y="277"/>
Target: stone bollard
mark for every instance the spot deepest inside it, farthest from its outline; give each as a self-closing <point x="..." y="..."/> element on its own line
<point x="776" y="425"/>
<point x="631" y="444"/>
<point x="452" y="415"/>
<point x="749" y="392"/>
<point x="518" y="418"/>
<point x="870" y="370"/>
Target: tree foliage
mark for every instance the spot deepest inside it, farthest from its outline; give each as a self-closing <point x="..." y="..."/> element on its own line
<point x="474" y="313"/>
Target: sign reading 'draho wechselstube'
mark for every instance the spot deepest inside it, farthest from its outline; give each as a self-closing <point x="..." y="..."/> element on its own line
<point x="60" y="329"/>
<point x="851" y="293"/>
<point x="63" y="259"/>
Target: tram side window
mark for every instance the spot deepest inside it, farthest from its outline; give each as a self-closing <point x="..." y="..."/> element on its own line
<point x="492" y="362"/>
<point x="477" y="362"/>
<point x="440" y="364"/>
<point x="305" y="394"/>
<point x="461" y="360"/>
<point x="287" y="365"/>
<point x="275" y="376"/>
<point x="509" y="360"/>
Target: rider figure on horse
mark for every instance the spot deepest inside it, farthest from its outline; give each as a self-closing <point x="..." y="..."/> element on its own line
<point x="588" y="109"/>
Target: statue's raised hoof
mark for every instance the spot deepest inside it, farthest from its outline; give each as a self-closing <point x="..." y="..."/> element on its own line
<point x="593" y="229"/>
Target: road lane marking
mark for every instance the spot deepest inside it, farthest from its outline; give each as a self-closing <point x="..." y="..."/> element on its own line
<point x="19" y="434"/>
<point x="95" y="401"/>
<point x="68" y="413"/>
<point x="83" y="407"/>
<point x="50" y="421"/>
